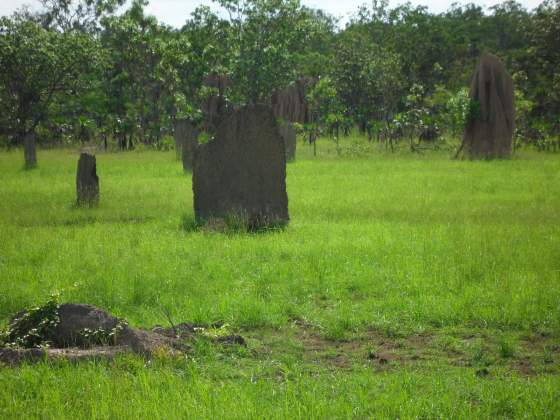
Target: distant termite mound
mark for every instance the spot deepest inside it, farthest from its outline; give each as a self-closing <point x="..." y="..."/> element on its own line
<point x="241" y="173"/>
<point x="186" y="141"/>
<point x="214" y="106"/>
<point x="87" y="181"/>
<point x="289" y="135"/>
<point x="489" y="131"/>
<point x="290" y="103"/>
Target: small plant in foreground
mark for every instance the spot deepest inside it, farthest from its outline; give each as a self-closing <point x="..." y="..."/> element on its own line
<point x="479" y="354"/>
<point x="34" y="327"/>
<point x="101" y="337"/>
<point x="548" y="355"/>
<point x="507" y="348"/>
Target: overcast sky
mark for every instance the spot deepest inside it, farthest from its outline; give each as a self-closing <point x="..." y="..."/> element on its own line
<point x="176" y="12"/>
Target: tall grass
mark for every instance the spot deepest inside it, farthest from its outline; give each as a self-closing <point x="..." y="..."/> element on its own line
<point x="415" y="242"/>
<point x="393" y="242"/>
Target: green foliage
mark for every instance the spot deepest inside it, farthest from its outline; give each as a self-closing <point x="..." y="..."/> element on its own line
<point x="541" y="63"/>
<point x="264" y="37"/>
<point x="33" y="327"/>
<point x="434" y="246"/>
<point x="417" y="114"/>
<point x="165" y="144"/>
<point x="82" y="15"/>
<point x="460" y="109"/>
<point x="368" y="77"/>
<point x="100" y="336"/>
<point x="523" y="109"/>
<point x="39" y="67"/>
<point x="325" y="106"/>
<point x="143" y="85"/>
<point x="507" y="347"/>
<point x="224" y="330"/>
<point x="78" y="72"/>
<point x="380" y="247"/>
<point x="314" y="52"/>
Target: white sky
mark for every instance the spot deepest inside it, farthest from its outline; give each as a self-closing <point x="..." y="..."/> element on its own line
<point x="176" y="12"/>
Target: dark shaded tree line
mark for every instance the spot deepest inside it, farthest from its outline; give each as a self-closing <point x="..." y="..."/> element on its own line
<point x="78" y="70"/>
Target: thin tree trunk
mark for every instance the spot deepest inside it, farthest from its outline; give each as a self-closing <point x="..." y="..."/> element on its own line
<point x="314" y="147"/>
<point x="122" y="141"/>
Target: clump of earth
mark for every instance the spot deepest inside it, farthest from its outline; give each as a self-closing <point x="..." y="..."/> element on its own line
<point x="75" y="332"/>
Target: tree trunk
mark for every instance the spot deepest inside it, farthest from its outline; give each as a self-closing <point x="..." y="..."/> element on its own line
<point x="362" y="126"/>
<point x="122" y="141"/>
<point x="29" y="151"/>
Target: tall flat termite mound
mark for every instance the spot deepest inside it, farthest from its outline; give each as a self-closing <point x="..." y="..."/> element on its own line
<point x="241" y="173"/>
<point x="289" y="135"/>
<point x="489" y="132"/>
<point x="87" y="181"/>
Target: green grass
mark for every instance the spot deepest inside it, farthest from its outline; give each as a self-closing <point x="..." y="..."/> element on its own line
<point x="380" y="248"/>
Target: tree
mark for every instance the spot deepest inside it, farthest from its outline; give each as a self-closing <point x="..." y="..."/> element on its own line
<point x="326" y="109"/>
<point x="36" y="66"/>
<point x="82" y="15"/>
<point x="141" y="78"/>
<point x="264" y="37"/>
<point x="202" y="53"/>
<point x="459" y="110"/>
<point x="75" y="69"/>
<point x="543" y="78"/>
<point x="315" y="51"/>
<point x="368" y="78"/>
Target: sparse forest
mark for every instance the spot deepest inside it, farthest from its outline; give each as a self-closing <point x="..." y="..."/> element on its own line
<point x="79" y="72"/>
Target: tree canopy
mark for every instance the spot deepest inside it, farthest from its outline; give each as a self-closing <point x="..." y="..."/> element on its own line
<point x="82" y="69"/>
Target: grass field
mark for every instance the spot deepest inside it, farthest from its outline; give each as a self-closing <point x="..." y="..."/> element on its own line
<point x="405" y="285"/>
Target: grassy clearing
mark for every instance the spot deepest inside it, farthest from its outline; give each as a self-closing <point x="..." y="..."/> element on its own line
<point x="380" y="249"/>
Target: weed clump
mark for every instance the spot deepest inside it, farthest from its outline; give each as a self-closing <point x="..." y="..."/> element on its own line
<point x="34" y="327"/>
<point x="232" y="223"/>
<point x="42" y="327"/>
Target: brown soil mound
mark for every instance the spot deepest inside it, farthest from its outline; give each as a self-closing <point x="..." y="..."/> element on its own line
<point x="86" y="332"/>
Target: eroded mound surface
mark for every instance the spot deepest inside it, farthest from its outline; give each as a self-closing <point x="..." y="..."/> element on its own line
<point x="76" y="332"/>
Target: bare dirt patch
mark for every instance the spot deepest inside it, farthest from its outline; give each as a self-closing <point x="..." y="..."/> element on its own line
<point x="383" y="352"/>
